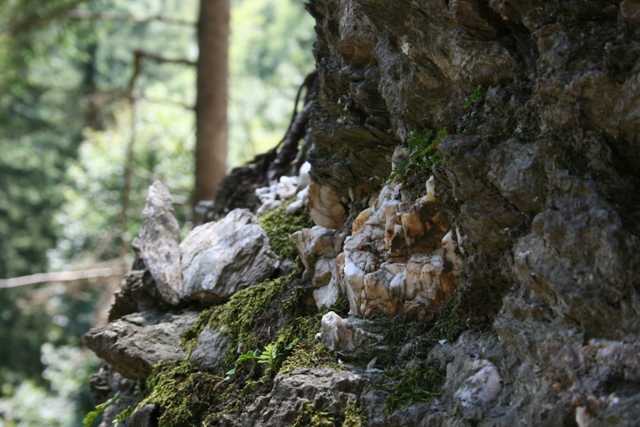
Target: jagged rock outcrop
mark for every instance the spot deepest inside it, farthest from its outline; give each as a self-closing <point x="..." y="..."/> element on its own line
<point x="505" y="290"/>
<point x="133" y="344"/>
<point x="324" y="390"/>
<point x="220" y="258"/>
<point x="158" y="243"/>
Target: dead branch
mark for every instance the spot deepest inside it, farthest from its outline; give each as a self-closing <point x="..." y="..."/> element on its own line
<point x="85" y="15"/>
<point x="63" y="276"/>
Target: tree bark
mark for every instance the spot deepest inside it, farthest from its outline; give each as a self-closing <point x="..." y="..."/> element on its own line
<point x="211" y="101"/>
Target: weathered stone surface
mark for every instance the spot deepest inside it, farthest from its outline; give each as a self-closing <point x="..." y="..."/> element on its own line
<point x="576" y="260"/>
<point x="318" y="248"/>
<point x="136" y="342"/>
<point x="327" y="390"/>
<point x="209" y="351"/>
<point x="158" y="242"/>
<point x="399" y="258"/>
<point x="106" y="383"/>
<point x="220" y="258"/>
<point x="326" y="207"/>
<point x="338" y="334"/>
<point x="482" y="386"/>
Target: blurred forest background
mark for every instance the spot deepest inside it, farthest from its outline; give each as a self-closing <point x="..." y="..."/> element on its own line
<point x="67" y="134"/>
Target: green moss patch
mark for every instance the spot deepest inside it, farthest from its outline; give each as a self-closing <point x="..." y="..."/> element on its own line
<point x="312" y="415"/>
<point x="420" y="383"/>
<point x="183" y="393"/>
<point x="279" y="227"/>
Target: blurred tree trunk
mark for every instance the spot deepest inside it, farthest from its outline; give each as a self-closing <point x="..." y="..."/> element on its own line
<point x="211" y="101"/>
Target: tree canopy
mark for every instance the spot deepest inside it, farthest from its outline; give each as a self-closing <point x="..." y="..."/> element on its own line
<point x="68" y="133"/>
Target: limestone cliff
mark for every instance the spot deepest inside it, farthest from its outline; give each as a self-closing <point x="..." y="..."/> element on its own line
<point x="474" y="173"/>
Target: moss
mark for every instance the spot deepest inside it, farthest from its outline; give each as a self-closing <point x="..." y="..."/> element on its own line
<point x="183" y="393"/>
<point x="311" y="416"/>
<point x="419" y="383"/>
<point x="354" y="416"/>
<point x="447" y="319"/>
<point x="248" y="316"/>
<point x="279" y="226"/>
<point x="310" y="355"/>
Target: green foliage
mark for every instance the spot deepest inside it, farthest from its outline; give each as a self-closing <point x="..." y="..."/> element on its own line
<point x="419" y="383"/>
<point x="249" y="355"/>
<point x="184" y="393"/>
<point x="93" y="415"/>
<point x="311" y="416"/>
<point x="123" y="416"/>
<point x="279" y="226"/>
<point x="423" y="154"/>
<point x="355" y="415"/>
<point x="275" y="354"/>
<point x="474" y="96"/>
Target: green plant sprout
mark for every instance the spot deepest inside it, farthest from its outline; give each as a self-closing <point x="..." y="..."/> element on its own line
<point x="272" y="356"/>
<point x="474" y="96"/>
<point x="423" y="153"/>
<point x="91" y="416"/>
<point x="249" y="355"/>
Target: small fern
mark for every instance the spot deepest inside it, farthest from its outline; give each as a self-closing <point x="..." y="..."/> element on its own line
<point x="474" y="96"/>
<point x="91" y="416"/>
<point x="123" y="416"/>
<point x="423" y="153"/>
<point x="272" y="356"/>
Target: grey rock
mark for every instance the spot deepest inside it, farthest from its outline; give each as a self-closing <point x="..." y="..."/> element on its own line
<point x="136" y="342"/>
<point x="210" y="351"/>
<point x="221" y="258"/>
<point x="104" y="385"/>
<point x="147" y="416"/>
<point x="329" y="391"/>
<point x="579" y="261"/>
<point x="158" y="242"/>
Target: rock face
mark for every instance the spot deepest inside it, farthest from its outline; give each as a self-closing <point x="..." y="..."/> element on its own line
<point x="506" y="288"/>
<point x="325" y="390"/>
<point x="136" y="342"/>
<point x="220" y="258"/>
<point x="159" y="241"/>
<point x="400" y="257"/>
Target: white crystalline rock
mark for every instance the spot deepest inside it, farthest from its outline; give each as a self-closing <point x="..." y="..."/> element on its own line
<point x="326" y="207"/>
<point x="337" y="334"/>
<point x="271" y="197"/>
<point x="287" y="187"/>
<point x="316" y="242"/>
<point x="327" y="295"/>
<point x="304" y="179"/>
<point x="481" y="387"/>
<point x="431" y="189"/>
<point x="267" y="196"/>
<point x="354" y="284"/>
<point x="302" y="198"/>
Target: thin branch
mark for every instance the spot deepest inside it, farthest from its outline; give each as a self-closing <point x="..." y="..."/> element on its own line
<point x="85" y="15"/>
<point x="162" y="60"/>
<point x="63" y="276"/>
<point x="34" y="21"/>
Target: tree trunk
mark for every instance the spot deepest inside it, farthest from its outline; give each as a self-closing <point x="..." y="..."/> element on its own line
<point x="211" y="102"/>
